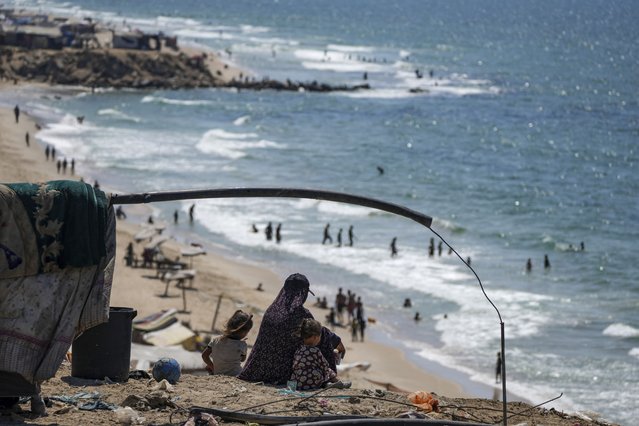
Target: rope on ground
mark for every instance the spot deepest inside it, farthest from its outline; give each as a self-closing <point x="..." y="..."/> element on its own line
<point x="536" y="406"/>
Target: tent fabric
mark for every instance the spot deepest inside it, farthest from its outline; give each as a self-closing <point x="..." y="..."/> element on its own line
<point x="44" y="304"/>
<point x="67" y="222"/>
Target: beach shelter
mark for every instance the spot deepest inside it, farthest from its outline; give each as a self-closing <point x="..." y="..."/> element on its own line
<point x="57" y="250"/>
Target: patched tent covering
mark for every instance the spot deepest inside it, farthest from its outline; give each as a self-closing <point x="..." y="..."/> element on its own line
<point x="57" y="248"/>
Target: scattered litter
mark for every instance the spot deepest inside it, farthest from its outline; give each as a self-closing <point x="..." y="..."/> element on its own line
<point x="164" y="385"/>
<point x="289" y="392"/>
<point x="150" y="401"/>
<point x="76" y="398"/>
<point x="65" y="410"/>
<point x="236" y="391"/>
<point x="204" y="419"/>
<point x="412" y="415"/>
<point x="97" y="405"/>
<point x="128" y="416"/>
<point x="424" y="400"/>
<point x="95" y="402"/>
<point x="138" y="374"/>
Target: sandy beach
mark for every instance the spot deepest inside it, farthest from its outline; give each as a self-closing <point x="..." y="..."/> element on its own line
<point x="235" y="282"/>
<point x="216" y="275"/>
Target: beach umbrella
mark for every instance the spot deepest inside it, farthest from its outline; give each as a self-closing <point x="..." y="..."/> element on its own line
<point x="191" y="252"/>
<point x="156" y="241"/>
<point x="144" y="234"/>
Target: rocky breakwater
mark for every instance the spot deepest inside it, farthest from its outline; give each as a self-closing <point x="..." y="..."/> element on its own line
<point x="116" y="68"/>
<point x="137" y="69"/>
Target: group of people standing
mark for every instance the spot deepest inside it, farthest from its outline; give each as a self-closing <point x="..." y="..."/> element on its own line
<point x="352" y="305"/>
<point x="328" y="238"/>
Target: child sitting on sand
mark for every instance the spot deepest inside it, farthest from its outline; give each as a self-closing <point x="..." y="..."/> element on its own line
<point x="225" y="353"/>
<point x="310" y="368"/>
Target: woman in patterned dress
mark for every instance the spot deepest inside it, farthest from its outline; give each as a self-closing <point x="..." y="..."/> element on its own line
<point x="271" y="360"/>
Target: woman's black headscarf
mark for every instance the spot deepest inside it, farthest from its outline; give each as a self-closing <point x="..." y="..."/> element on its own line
<point x="271" y="359"/>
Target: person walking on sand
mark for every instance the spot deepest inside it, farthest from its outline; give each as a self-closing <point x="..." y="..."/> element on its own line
<point x="175" y="217"/>
<point x="26" y="138"/>
<point x="340" y="304"/>
<point x="225" y="354"/>
<point x="47" y="151"/>
<point x="64" y="165"/>
<point x="72" y="166"/>
<point x="16" y="112"/>
<point x="339" y="237"/>
<point x="350" y="236"/>
<point x="278" y="233"/>
<point x="393" y="247"/>
<point x="498" y="368"/>
<point x="327" y="235"/>
<point x="58" y="166"/>
<point x="354" y="329"/>
<point x="53" y="153"/>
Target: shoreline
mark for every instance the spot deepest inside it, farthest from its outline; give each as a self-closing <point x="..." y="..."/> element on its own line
<point x="216" y="275"/>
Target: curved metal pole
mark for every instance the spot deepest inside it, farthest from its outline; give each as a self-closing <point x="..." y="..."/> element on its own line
<point x="149" y="197"/>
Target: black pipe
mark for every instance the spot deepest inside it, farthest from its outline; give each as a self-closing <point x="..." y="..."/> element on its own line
<point x="149" y="197"/>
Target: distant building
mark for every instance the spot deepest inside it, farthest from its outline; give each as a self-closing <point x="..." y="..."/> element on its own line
<point x="136" y="41"/>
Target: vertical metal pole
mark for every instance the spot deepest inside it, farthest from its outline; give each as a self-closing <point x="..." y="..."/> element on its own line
<point x="503" y="372"/>
<point x="217" y="310"/>
<point x="184" y="295"/>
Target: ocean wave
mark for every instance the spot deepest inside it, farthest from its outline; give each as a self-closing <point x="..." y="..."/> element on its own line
<point x="621" y="330"/>
<point x="449" y="225"/>
<point x="240" y="121"/>
<point x="169" y="101"/>
<point x="634" y="352"/>
<point x="347" y="49"/>
<point x="232" y="145"/>
<point x="342" y="209"/>
<point x="118" y="114"/>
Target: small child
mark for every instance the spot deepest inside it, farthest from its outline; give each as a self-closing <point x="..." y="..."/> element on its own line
<point x="225" y="353"/>
<point x="310" y="368"/>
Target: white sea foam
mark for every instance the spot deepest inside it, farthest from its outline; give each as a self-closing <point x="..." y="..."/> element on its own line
<point x="240" y="121"/>
<point x="380" y="94"/>
<point x="621" y="330"/>
<point x="335" y="61"/>
<point x="348" y="49"/>
<point x="634" y="352"/>
<point x="203" y="34"/>
<point x="342" y="209"/>
<point x="118" y="114"/>
<point x="169" y="101"/>
<point x="232" y="145"/>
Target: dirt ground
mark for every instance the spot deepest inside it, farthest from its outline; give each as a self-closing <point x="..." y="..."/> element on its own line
<point x="172" y="407"/>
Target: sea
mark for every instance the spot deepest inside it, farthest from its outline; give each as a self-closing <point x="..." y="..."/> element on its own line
<point x="519" y="137"/>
